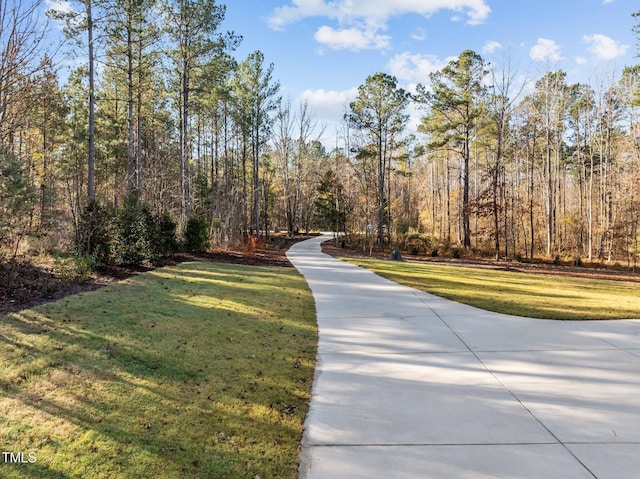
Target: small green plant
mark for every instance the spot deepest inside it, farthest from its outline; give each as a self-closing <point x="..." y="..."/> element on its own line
<point x="62" y="268"/>
<point x="456" y="253"/>
<point x="84" y="265"/>
<point x="74" y="267"/>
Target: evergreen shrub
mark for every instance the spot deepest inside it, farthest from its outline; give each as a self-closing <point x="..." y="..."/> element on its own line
<point x="196" y="237"/>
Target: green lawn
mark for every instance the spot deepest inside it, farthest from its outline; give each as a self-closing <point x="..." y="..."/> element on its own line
<point x="201" y="370"/>
<point x="520" y="294"/>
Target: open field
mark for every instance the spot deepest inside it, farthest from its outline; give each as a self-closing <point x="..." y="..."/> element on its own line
<point x="511" y="292"/>
<point x="200" y="369"/>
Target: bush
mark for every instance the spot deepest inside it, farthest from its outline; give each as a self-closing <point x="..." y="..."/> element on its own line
<point x="252" y="243"/>
<point x="74" y="267"/>
<point x="84" y="266"/>
<point x="164" y="235"/>
<point x="132" y="240"/>
<point x="249" y="246"/>
<point x="415" y="243"/>
<point x="129" y="236"/>
<point x="196" y="238"/>
<point x="418" y="244"/>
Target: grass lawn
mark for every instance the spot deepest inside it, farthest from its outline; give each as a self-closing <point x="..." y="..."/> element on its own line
<point x="200" y="370"/>
<point x="520" y="294"/>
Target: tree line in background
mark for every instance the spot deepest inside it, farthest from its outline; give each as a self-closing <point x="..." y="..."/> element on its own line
<point x="163" y="140"/>
<point x="554" y="171"/>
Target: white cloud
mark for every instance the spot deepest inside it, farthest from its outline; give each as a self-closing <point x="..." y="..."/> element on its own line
<point x="415" y="67"/>
<point x="329" y="105"/>
<point x="581" y="60"/>
<point x="491" y="46"/>
<point x="604" y="47"/>
<point x="545" y="50"/>
<point x="61" y="6"/>
<point x="297" y="11"/>
<point x="364" y="18"/>
<point x="344" y="10"/>
<point x="351" y="39"/>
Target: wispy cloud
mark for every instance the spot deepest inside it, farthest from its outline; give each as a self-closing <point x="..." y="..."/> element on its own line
<point x="380" y="10"/>
<point x="359" y="22"/>
<point x="419" y="35"/>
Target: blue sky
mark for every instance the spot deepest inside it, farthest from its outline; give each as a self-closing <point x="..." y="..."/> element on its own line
<point x="323" y="49"/>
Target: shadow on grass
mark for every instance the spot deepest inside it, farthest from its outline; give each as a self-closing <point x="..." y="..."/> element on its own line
<point x="153" y="378"/>
<point x="516" y="293"/>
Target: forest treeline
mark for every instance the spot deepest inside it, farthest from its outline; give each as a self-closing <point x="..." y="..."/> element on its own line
<point x="162" y="139"/>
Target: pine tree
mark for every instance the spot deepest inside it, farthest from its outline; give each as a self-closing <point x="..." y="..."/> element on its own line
<point x="456" y="106"/>
<point x="192" y="26"/>
<point x="379" y="112"/>
<point x="254" y="98"/>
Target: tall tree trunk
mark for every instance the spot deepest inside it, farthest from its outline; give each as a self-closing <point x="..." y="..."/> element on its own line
<point x="381" y="195"/>
<point x="255" y="149"/>
<point x="91" y="191"/>
<point x="131" y="183"/>
<point x="466" y="214"/>
<point x="184" y="144"/>
<point x="532" y="225"/>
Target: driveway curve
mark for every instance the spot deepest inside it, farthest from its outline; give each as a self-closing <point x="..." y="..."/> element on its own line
<point x="412" y="386"/>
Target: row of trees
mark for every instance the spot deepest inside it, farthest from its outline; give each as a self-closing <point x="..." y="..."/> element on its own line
<point x="554" y="171"/>
<point x="161" y="114"/>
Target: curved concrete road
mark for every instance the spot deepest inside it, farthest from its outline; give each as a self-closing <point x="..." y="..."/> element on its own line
<point x="412" y="386"/>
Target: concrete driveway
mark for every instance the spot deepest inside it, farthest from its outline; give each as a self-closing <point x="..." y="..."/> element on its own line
<point x="410" y="385"/>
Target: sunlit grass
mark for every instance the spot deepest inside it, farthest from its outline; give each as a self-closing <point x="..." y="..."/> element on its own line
<point x="510" y="292"/>
<point x="197" y="370"/>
